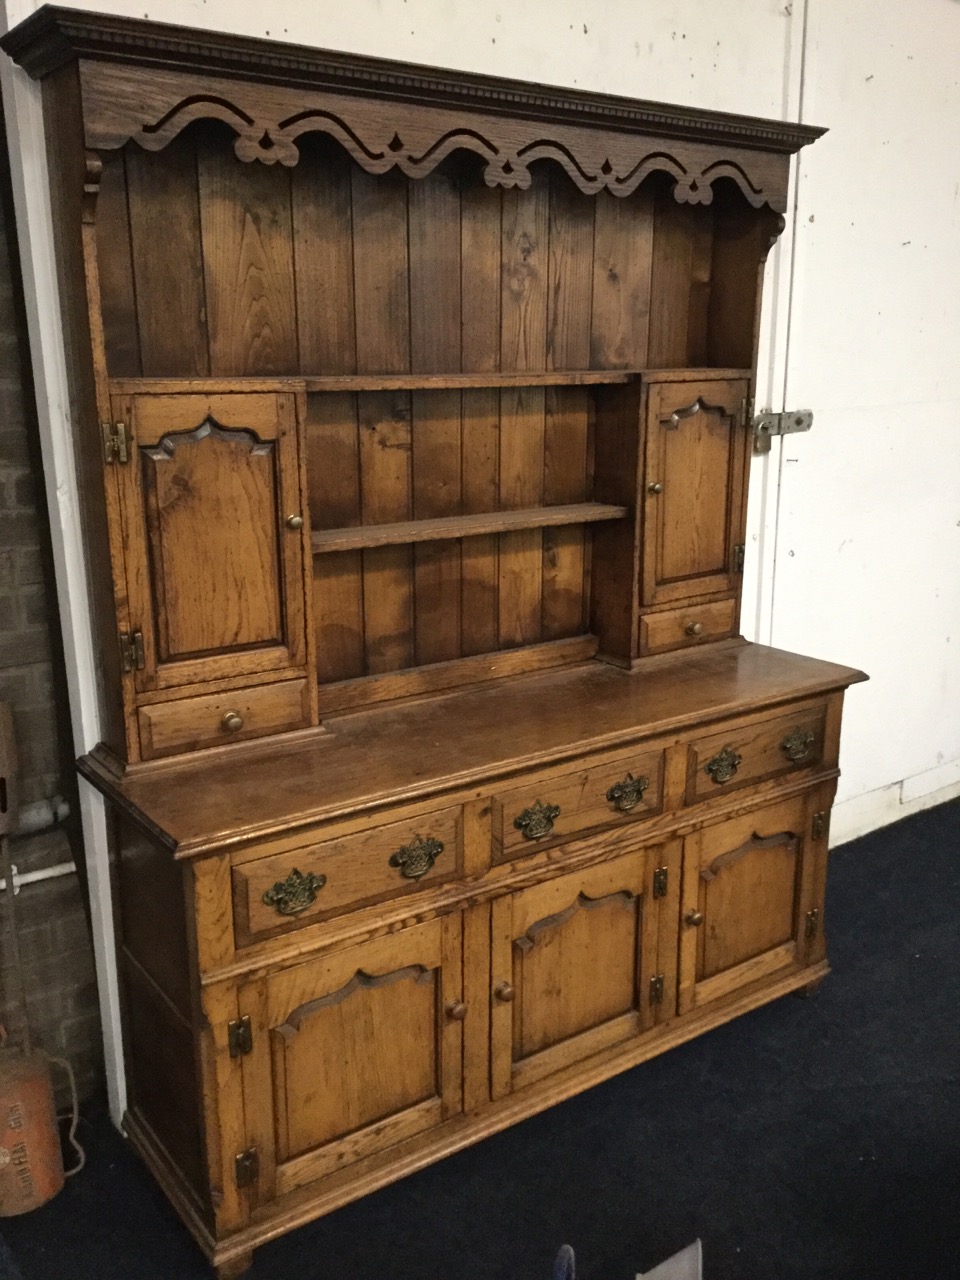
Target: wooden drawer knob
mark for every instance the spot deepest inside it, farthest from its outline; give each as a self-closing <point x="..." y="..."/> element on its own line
<point x="504" y="992"/>
<point x="694" y="628"/>
<point x="232" y="722"/>
<point x="456" y="1010"/>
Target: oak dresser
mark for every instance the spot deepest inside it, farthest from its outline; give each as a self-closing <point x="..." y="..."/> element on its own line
<point x="413" y="412"/>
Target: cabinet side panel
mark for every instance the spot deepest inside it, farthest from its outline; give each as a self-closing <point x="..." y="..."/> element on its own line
<point x="115" y="261"/>
<point x="159" y="998"/>
<point x="65" y="156"/>
<point x="741" y="243"/>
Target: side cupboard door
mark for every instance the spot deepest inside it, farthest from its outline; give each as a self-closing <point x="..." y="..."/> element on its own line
<point x="695" y="489"/>
<point x="214" y="537"/>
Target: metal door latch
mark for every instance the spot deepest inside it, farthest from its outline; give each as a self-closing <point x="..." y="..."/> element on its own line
<point x="767" y="425"/>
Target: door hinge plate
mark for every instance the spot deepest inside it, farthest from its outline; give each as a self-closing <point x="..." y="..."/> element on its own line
<point x="767" y="425"/>
<point x="240" y="1036"/>
<point x="819" y="825"/>
<point x="656" y="989"/>
<point x="247" y="1167"/>
<point x="115" y="442"/>
<point x="660" y="877"/>
<point x="813" y="922"/>
<point x="131" y="650"/>
<point x="739" y="557"/>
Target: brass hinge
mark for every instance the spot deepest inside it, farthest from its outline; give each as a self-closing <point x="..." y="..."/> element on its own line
<point x="240" y="1036"/>
<point x="813" y="922"/>
<point x="656" y="989"/>
<point x="131" y="650"/>
<point x="819" y="825"/>
<point x="247" y="1167"/>
<point x="739" y="556"/>
<point x="114" y="442"/>
<point x="660" y="882"/>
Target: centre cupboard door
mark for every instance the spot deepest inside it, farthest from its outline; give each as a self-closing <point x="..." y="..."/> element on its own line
<point x="582" y="963"/>
<point x="214" y="536"/>
<point x="353" y="1052"/>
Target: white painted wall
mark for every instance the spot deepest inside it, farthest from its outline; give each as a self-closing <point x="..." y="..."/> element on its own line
<point x="854" y="529"/>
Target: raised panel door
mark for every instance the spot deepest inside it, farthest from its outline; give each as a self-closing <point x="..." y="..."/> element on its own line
<point x="573" y="963"/>
<point x="214" y="571"/>
<point x="353" y="1052"/>
<point x="695" y="486"/>
<point x="752" y="899"/>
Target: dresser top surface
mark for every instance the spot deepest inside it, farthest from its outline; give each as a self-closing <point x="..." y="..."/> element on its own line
<point x="405" y="751"/>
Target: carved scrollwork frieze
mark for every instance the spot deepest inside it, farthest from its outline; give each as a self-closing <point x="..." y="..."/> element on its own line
<point x="268" y="120"/>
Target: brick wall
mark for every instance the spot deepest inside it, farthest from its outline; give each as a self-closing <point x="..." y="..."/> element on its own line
<point x="53" y="929"/>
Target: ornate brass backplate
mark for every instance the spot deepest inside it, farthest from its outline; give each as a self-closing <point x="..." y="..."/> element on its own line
<point x="796" y="746"/>
<point x="417" y="858"/>
<point x="723" y="765"/>
<point x="537" y="821"/>
<point x="296" y="893"/>
<point x="627" y="794"/>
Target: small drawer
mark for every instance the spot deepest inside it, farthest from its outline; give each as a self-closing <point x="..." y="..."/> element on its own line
<point x="621" y="788"/>
<point x="187" y="724"/>
<point x="324" y="879"/>
<point x="681" y="628"/>
<point x="752" y="753"/>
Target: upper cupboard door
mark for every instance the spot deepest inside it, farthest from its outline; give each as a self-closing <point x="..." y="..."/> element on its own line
<point x="214" y="536"/>
<point x="695" y="489"/>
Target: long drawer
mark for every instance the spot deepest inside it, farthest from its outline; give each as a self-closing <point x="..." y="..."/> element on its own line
<point x="287" y="890"/>
<point x="742" y="754"/>
<point x="619" y="788"/>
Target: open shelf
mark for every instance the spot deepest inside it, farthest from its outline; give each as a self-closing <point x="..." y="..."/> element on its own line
<point x="406" y="531"/>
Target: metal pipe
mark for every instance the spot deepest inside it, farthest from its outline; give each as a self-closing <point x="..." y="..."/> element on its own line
<point x="33" y="877"/>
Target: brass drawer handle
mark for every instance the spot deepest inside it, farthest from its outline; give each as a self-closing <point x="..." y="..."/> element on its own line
<point x="694" y="918"/>
<point x="232" y="722"/>
<point x="627" y="794"/>
<point x="537" y="821"/>
<point x="504" y="992"/>
<point x="723" y="765"/>
<point x="798" y="745"/>
<point x="456" y="1010"/>
<point x="694" y="629"/>
<point x="295" y="894"/>
<point x="417" y="858"/>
